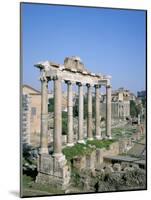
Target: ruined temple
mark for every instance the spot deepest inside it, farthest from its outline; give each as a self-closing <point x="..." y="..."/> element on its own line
<point x="53" y="168"/>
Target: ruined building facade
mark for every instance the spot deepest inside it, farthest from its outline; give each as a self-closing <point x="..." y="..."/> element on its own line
<point x="120" y="104"/>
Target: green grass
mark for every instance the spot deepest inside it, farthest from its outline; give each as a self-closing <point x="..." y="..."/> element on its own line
<point x="85" y="149"/>
<point x="123" y="132"/>
<point x="77" y="150"/>
<point x="27" y="181"/>
<point x="30" y="188"/>
<point x="101" y="143"/>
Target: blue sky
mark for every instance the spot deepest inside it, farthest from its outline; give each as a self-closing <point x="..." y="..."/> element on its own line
<point x="109" y="41"/>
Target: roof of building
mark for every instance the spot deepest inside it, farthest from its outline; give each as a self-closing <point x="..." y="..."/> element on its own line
<point x="28" y="86"/>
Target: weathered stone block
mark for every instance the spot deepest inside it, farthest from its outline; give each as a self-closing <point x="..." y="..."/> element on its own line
<point x="98" y="160"/>
<point x="64" y="139"/>
<point x="74" y="62"/>
<point x="117" y="167"/>
<point x="45" y="164"/>
<point x="124" y="165"/>
<point x="135" y="166"/>
<point x="79" y="162"/>
<point x="90" y="160"/>
<point x="53" y="170"/>
<point x="122" y="145"/>
<point x="108" y="170"/>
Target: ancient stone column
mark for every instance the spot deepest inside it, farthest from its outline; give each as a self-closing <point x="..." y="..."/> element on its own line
<point x="44" y="116"/>
<point x="108" y="111"/>
<point x="89" y="120"/>
<point x="70" y="115"/>
<point x="139" y="119"/>
<point x="80" y="120"/>
<point x="57" y="136"/>
<point x="97" y="113"/>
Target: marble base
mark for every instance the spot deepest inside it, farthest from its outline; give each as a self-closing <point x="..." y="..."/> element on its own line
<point x="90" y="139"/>
<point x="53" y="170"/>
<point x="98" y="137"/>
<point x="70" y="144"/>
<point x="81" y="141"/>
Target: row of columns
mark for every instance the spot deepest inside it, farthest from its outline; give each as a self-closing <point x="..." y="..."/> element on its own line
<point x="57" y="136"/>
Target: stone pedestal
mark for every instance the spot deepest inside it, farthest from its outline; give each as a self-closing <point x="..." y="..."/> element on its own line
<point x="99" y="158"/>
<point x="53" y="171"/>
<point x="91" y="160"/>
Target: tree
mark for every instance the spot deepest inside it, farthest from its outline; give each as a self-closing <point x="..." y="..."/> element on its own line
<point x="76" y="111"/>
<point x="64" y="123"/>
<point x="51" y="105"/>
<point x="133" y="110"/>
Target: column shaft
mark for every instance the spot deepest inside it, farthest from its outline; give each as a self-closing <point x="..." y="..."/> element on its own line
<point x="44" y="117"/>
<point x="89" y="120"/>
<point x="108" y="111"/>
<point x="70" y="115"/>
<point x="57" y="118"/>
<point x="97" y="113"/>
<point x="80" y="120"/>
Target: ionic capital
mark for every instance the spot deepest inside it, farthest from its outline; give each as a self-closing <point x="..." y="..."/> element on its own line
<point x="56" y="78"/>
<point x="108" y="86"/>
<point x="89" y="85"/>
<point x="68" y="82"/>
<point x="43" y="76"/>
<point x="79" y="83"/>
<point x="97" y="86"/>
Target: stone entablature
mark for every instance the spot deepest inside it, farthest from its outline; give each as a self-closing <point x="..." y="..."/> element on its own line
<point x="52" y="72"/>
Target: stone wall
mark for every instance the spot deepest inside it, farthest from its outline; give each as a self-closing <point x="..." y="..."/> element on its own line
<point x="126" y="143"/>
<point x="95" y="159"/>
<point x="53" y="170"/>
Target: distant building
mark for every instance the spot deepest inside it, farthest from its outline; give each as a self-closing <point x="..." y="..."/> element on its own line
<point x="132" y="96"/>
<point x="31" y="115"/>
<point x="25" y="119"/>
<point x="120" y="104"/>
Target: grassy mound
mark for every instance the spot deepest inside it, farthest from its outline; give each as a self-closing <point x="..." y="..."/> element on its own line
<point x="101" y="143"/>
<point x="85" y="149"/>
<point x="77" y="150"/>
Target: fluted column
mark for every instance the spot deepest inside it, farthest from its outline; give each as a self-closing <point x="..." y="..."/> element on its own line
<point x="70" y="115"/>
<point x="108" y="111"/>
<point x="97" y="113"/>
<point x="57" y="118"/>
<point x="80" y="120"/>
<point x="44" y="116"/>
<point x="89" y="120"/>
